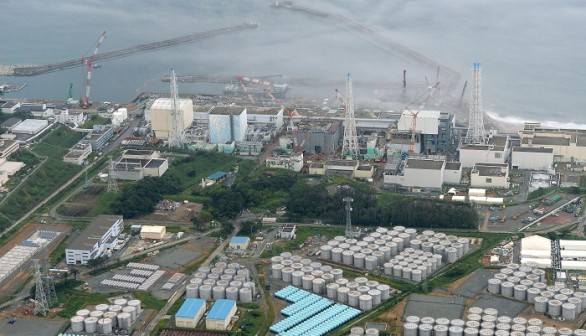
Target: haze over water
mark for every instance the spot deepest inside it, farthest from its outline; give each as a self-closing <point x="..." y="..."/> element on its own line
<point x="532" y="51"/>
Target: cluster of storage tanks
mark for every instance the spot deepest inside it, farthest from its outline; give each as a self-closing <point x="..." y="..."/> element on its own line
<point x="223" y="281"/>
<point x="527" y="283"/>
<point x="359" y="331"/>
<point x="105" y="318"/>
<point x="327" y="281"/>
<point x="482" y="322"/>
<point x="401" y="251"/>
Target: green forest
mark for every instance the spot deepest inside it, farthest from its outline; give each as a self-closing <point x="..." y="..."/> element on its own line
<point x="305" y="198"/>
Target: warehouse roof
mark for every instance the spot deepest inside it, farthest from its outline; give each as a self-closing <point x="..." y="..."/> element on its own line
<point x="152" y="229"/>
<point x="221" y="309"/>
<point x="535" y="242"/>
<point x="216" y="176"/>
<point x="533" y="149"/>
<point x="11" y="122"/>
<point x="93" y="232"/>
<point x="30" y="125"/>
<point x="227" y="110"/>
<point x="191" y="307"/>
<point x="167" y="104"/>
<point x="239" y="240"/>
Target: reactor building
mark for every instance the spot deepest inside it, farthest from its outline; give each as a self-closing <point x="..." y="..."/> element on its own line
<point x="227" y="123"/>
<point x="161" y="114"/>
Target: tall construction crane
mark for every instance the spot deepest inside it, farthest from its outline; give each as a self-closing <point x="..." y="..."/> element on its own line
<point x="90" y="62"/>
<point x="426" y="95"/>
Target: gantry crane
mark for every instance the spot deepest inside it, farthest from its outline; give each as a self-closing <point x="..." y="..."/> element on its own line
<point x="90" y="62"/>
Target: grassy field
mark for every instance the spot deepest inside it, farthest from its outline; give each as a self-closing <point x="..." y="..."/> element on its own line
<point x="303" y="232"/>
<point x="38" y="186"/>
<point x="95" y="120"/>
<point x="57" y="142"/>
<point x="73" y="300"/>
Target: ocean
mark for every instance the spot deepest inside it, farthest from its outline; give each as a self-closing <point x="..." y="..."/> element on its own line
<point x="531" y="51"/>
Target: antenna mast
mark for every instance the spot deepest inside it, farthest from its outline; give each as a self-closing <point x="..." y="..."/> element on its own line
<point x="177" y="135"/>
<point x="350" y="145"/>
<point x="476" y="134"/>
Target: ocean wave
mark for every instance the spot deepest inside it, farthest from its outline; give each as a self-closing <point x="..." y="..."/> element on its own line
<point x="544" y="123"/>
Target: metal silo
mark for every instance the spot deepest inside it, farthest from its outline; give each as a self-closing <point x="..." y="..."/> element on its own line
<point x="494" y="286"/>
<point x="353" y="298"/>
<point x="343" y="294"/>
<point x="359" y="260"/>
<point x="332" y="291"/>
<point x="554" y="308"/>
<point x="569" y="311"/>
<point x="77" y="323"/>
<point x="287" y="273"/>
<point x="410" y="329"/>
<point x="520" y="292"/>
<point x="90" y="324"/>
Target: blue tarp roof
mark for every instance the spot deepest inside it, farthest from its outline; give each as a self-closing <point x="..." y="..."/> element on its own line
<point x="190" y="308"/>
<point x="217" y="175"/>
<point x="239" y="240"/>
<point x="221" y="309"/>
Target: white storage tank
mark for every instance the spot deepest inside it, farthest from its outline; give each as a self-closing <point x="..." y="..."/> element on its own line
<point x="124" y="321"/>
<point x="337" y="254"/>
<point x="416" y="275"/>
<point x="232" y="293"/>
<point x="337" y="273"/>
<point x="470" y="332"/>
<point x="83" y="313"/>
<point x="365" y="302"/>
<point x="520" y="292"/>
<point x="105" y="326"/>
<point x="293" y="277"/>
<point x="577" y="302"/>
<point x="276" y="271"/>
<point x="440" y="330"/>
<point x="342" y="282"/>
<point x="407" y="272"/>
<point x="554" y="308"/>
<point x="97" y="314"/>
<point x="385" y="291"/>
<point x="115" y="308"/>
<point x="278" y="259"/>
<point x="452" y="254"/>
<point x="306" y="281"/>
<point x="318" y="285"/>
<point x="541" y="304"/>
<point x="219" y="292"/>
<point x="356" y="331"/>
<point x="532" y="293"/>
<point x="472" y="324"/>
<point x="456" y="331"/>
<point x="359" y="260"/>
<point x="580" y="332"/>
<point x="494" y="286"/>
<point x="363" y="289"/>
<point x="565" y="331"/>
<point x="132" y="311"/>
<point x="332" y="291"/>
<point x="77" y="323"/>
<point x="534" y="329"/>
<point x="245" y="294"/>
<point x="425" y="329"/>
<point x="348" y="257"/>
<point x="103" y="307"/>
<point x="352" y="285"/>
<point x="507" y="289"/>
<point x="549" y="331"/>
<point x="205" y="292"/>
<point x="370" y="263"/>
<point x="90" y="324"/>
<point x="328" y="278"/>
<point x="410" y="329"/>
<point x="569" y="311"/>
<point x="353" y="298"/>
<point x="343" y="294"/>
<point x="371" y="332"/>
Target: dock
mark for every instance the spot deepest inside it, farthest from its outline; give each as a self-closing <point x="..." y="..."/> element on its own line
<point x="11" y="87"/>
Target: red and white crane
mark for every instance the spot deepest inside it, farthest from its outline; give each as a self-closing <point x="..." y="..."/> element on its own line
<point x="90" y="62"/>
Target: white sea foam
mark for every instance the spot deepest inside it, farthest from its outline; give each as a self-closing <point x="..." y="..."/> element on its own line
<point x="516" y="121"/>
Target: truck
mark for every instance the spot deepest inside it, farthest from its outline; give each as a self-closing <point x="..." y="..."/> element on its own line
<point x="539" y="211"/>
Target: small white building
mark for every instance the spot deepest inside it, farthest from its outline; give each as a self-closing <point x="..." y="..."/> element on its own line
<point x="292" y="162"/>
<point x="288" y="231"/>
<point x="99" y="237"/>
<point x="78" y="153"/>
<point x="153" y="232"/>
<point x="487" y="175"/>
<point x="190" y="313"/>
<point x="532" y="158"/>
<point x="239" y="243"/>
<point x="496" y="151"/>
<point x="418" y="173"/>
<point x="64" y="116"/>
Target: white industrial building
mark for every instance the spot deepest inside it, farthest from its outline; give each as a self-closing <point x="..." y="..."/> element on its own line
<point x="99" y="237"/>
<point x="30" y="126"/>
<point x="490" y="175"/>
<point x="568" y="145"/>
<point x="137" y="164"/>
<point x="496" y="151"/>
<point x="532" y="158"/>
<point x="427" y="122"/>
<point x="161" y="116"/>
<point x="417" y="173"/>
<point x="453" y="173"/>
<point x="221" y="314"/>
<point x="266" y="115"/>
<point x="227" y="123"/>
<point x="292" y="162"/>
<point x="78" y="153"/>
<point x="239" y="243"/>
<point x="64" y="116"/>
<point x="8" y="147"/>
<point x="538" y="249"/>
<point x="190" y="313"/>
<point x="288" y="231"/>
<point x="153" y="232"/>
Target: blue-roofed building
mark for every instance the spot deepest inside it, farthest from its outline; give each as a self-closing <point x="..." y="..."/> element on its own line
<point x="239" y="243"/>
<point x="215" y="177"/>
<point x="190" y="313"/>
<point x="220" y="315"/>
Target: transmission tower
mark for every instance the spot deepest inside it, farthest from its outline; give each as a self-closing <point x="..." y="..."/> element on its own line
<point x="50" y="292"/>
<point x="112" y="184"/>
<point x="476" y="135"/>
<point x="350" y="145"/>
<point x="177" y="134"/>
<point x="41" y="301"/>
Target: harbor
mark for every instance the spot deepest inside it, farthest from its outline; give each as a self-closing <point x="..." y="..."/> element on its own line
<point x="11" y="87"/>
